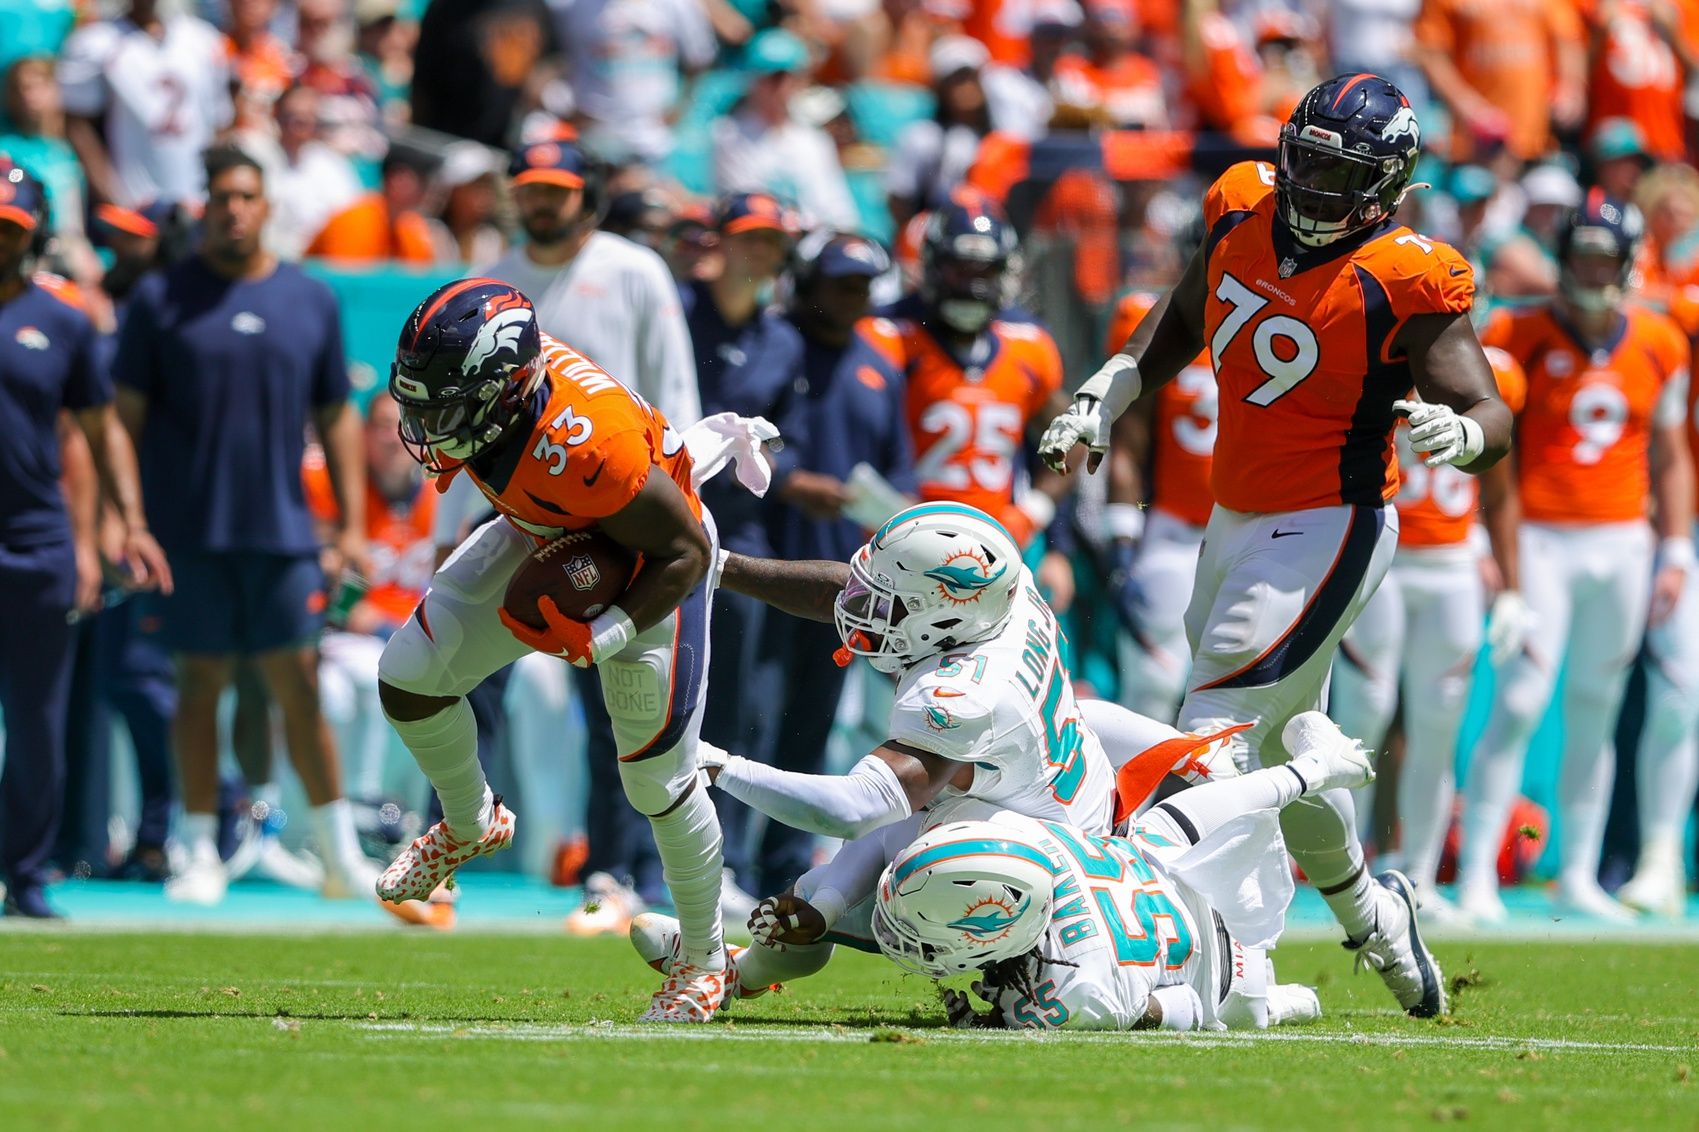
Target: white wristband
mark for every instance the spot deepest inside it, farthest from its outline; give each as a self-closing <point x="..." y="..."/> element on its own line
<point x="1124" y="520"/>
<point x="1116" y="384"/>
<point x="610" y="633"/>
<point x="831" y="905"/>
<point x="1474" y="441"/>
<point x="1676" y="552"/>
<point x="1039" y="509"/>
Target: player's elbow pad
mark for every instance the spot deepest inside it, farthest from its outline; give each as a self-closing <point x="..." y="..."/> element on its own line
<point x="869" y="797"/>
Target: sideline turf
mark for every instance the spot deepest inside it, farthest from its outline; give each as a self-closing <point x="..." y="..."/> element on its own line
<point x="137" y="1031"/>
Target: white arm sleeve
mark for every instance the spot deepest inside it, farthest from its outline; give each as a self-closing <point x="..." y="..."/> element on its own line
<point x="847" y="806"/>
<point x="853" y="872"/>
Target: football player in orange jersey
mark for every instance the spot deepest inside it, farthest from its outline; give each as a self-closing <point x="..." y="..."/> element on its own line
<point x="1601" y="436"/>
<point x="556" y="444"/>
<point x="1419" y="634"/>
<point x="1320" y="313"/>
<point x="1667" y="766"/>
<point x="1160" y="458"/>
<point x="977" y="383"/>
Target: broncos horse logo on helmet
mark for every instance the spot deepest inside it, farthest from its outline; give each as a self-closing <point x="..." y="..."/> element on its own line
<point x="1346" y="157"/>
<point x="461" y="369"/>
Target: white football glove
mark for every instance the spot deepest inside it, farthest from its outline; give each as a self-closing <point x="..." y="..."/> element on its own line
<point x="1446" y="437"/>
<point x="1083" y="423"/>
<point x="1508" y="625"/>
<point x="1104" y="396"/>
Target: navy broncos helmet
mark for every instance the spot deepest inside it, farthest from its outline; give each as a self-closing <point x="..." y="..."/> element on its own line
<point x="967" y="261"/>
<point x="1346" y="157"/>
<point x="1602" y="226"/>
<point x="461" y="369"/>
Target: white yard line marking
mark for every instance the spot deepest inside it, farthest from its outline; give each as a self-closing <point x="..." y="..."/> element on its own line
<point x="754" y="1031"/>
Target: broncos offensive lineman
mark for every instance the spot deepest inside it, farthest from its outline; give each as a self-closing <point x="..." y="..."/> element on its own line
<point x="1321" y="314"/>
<point x="984" y="710"/>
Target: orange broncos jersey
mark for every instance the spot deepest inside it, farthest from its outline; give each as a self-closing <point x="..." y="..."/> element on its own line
<point x="1182" y="437"/>
<point x="1582" y="441"/>
<point x="1684" y="309"/>
<point x="969" y="424"/>
<point x="587" y="454"/>
<point x="1303" y="345"/>
<point x="398" y="538"/>
<point x="1437" y="505"/>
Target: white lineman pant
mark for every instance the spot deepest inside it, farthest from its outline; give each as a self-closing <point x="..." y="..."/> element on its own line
<point x="1154" y="664"/>
<point x="1587" y="588"/>
<point x="653" y="689"/>
<point x="1274" y="595"/>
<point x="1668" y="766"/>
<point x="1419" y="634"/>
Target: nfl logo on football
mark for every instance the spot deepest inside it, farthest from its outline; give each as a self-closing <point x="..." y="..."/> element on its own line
<point x="581" y="571"/>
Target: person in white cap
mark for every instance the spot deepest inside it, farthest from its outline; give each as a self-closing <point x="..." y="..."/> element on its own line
<point x="933" y="155"/>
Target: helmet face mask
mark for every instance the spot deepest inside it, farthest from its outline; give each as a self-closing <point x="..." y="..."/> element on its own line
<point x="968" y="262"/>
<point x="1345" y="158"/>
<point x="936" y="577"/>
<point x="463" y="366"/>
<point x="1596" y="248"/>
<point x="961" y="897"/>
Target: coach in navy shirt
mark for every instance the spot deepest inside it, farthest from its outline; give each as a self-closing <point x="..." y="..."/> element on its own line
<point x="845" y="408"/>
<point x="222" y="363"/>
<point x="49" y="363"/>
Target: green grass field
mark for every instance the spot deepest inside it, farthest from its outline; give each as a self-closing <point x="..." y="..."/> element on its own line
<point x="373" y="1031"/>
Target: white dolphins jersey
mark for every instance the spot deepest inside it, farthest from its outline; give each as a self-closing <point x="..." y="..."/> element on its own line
<point x="1007" y="706"/>
<point x="1124" y="925"/>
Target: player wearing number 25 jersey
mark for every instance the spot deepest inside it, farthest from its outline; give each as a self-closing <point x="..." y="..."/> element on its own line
<point x="976" y="382"/>
<point x="1320" y="314"/>
<point x="1602" y="437"/>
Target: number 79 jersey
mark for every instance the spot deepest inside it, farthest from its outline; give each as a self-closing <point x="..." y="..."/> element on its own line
<point x="1304" y="346"/>
<point x="1006" y="705"/>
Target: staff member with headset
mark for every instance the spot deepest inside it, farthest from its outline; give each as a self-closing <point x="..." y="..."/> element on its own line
<point x="49" y="363"/>
<point x="615" y="302"/>
<point x="845" y="408"/>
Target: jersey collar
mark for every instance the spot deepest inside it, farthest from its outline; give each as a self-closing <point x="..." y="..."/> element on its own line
<point x="495" y="466"/>
<point x="1302" y="257"/>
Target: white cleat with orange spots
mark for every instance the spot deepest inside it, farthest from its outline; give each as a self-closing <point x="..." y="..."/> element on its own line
<point x="435" y="855"/>
<point x="690" y="994"/>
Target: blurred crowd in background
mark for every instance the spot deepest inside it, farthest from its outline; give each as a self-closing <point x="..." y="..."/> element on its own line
<point x="733" y="138"/>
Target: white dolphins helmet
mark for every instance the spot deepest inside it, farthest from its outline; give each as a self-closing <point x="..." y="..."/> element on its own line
<point x="962" y="896"/>
<point x="936" y="577"/>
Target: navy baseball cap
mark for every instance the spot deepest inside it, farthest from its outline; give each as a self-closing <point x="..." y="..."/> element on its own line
<point x="851" y="255"/>
<point x="549" y="163"/>
<point x="753" y="212"/>
<point x="22" y="199"/>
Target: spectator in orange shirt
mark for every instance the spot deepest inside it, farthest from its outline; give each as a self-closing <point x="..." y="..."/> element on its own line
<point x="385" y="225"/>
<point x="260" y="65"/>
<point x="1223" y="77"/>
<point x="1506" y="69"/>
<point x="1112" y="75"/>
<point x="1641" y="55"/>
<point x="1668" y="197"/>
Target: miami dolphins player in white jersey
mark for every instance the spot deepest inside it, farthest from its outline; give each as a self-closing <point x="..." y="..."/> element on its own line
<point x="984" y="710"/>
<point x="1167" y="927"/>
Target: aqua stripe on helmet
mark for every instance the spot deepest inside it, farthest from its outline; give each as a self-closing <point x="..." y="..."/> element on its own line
<point x="927" y="510"/>
<point x="978" y="847"/>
